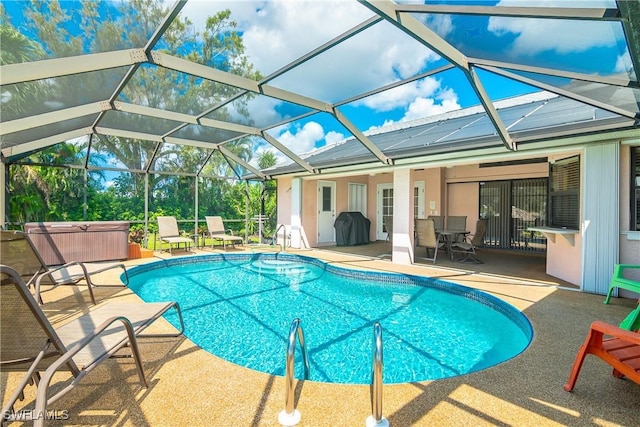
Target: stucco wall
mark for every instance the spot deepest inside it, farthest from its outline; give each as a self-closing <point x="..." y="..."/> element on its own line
<point x="284" y="201"/>
<point x="463" y="199"/>
<point x="454" y="191"/>
<point x="310" y="210"/>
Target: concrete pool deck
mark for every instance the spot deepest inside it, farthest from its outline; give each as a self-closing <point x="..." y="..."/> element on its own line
<point x="188" y="386"/>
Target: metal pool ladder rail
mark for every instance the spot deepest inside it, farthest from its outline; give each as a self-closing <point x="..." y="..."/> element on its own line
<point x="376" y="418"/>
<point x="284" y="238"/>
<point x="290" y="416"/>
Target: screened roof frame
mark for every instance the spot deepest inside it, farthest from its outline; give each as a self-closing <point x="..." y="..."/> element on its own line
<point x="400" y="15"/>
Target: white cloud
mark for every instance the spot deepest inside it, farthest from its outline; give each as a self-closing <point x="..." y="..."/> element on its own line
<point x="401" y="96"/>
<point x="623" y="64"/>
<point x="332" y="137"/>
<point x="418" y="100"/>
<point x="278" y="31"/>
<point x="446" y="100"/>
<point x="302" y="139"/>
<point x="299" y="139"/>
<point x="261" y="111"/>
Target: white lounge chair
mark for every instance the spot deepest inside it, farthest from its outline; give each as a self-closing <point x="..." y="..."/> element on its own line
<point x="169" y="233"/>
<point x="217" y="232"/>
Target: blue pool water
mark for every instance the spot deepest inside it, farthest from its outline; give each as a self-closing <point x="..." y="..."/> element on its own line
<point x="240" y="307"/>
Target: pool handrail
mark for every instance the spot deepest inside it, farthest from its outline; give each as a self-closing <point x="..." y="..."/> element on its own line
<point x="376" y="417"/>
<point x="284" y="237"/>
<point x="289" y="414"/>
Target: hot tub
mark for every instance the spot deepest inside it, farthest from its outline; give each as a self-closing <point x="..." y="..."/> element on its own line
<point x="84" y="241"/>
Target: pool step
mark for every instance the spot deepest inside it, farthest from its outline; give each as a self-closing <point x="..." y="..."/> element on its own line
<point x="266" y="266"/>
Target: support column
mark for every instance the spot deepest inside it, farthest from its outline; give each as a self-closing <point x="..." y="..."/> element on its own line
<point x="146" y="214"/>
<point x="195" y="209"/>
<point x="402" y="252"/>
<point x="600" y="221"/>
<point x="296" y="212"/>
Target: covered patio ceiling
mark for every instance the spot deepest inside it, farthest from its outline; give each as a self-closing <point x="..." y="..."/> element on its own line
<point x="335" y="70"/>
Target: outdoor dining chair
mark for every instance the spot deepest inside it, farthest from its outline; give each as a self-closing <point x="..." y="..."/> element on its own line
<point x="427" y="238"/>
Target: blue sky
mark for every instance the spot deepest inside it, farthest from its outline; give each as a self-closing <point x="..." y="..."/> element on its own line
<point x="278" y="31"/>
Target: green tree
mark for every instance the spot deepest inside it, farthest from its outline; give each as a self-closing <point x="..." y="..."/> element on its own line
<point x="100" y="28"/>
<point x="267" y="159"/>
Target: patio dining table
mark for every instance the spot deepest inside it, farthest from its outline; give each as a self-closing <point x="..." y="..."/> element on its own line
<point x="450" y="236"/>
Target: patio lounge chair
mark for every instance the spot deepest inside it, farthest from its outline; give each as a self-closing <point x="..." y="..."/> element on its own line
<point x="619" y="281"/>
<point x="18" y="251"/>
<point x="169" y="233"/>
<point x="31" y="344"/>
<point x="217" y="232"/>
<point x="621" y="350"/>
<point x="468" y="245"/>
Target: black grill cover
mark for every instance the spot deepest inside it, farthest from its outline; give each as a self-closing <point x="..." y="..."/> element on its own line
<point x="352" y="228"/>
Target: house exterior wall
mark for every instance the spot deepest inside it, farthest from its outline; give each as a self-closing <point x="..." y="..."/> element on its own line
<point x="310" y="210"/>
<point x="283" y="207"/>
<point x="454" y="190"/>
<point x="434" y="189"/>
<point x="463" y="199"/>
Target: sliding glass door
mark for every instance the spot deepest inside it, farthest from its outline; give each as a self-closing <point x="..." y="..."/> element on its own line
<point x="511" y="208"/>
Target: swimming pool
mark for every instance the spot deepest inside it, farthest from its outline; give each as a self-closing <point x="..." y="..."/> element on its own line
<point x="240" y="307"/>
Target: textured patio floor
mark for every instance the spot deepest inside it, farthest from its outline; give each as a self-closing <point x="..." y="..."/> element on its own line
<point x="189" y="386"/>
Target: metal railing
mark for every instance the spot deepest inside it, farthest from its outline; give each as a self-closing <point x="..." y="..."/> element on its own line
<point x="290" y="416"/>
<point x="376" y="418"/>
<point x="284" y="238"/>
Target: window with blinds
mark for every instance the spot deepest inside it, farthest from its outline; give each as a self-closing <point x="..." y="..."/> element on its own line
<point x="564" y="193"/>
<point x="635" y="188"/>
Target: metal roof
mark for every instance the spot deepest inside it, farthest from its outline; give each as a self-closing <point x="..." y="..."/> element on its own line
<point x="545" y="117"/>
<point x="106" y="84"/>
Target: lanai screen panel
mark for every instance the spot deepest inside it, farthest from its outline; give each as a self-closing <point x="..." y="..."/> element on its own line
<point x="625" y="98"/>
<point x="561" y="44"/>
<point x="217" y="166"/>
<point x="73" y="153"/>
<point x="123" y="153"/>
<point x="377" y="56"/>
<point x="205" y="134"/>
<point x="269" y="46"/>
<point x="259" y="111"/>
<point x="55" y="94"/>
<point x="303" y="136"/>
<point x="82" y="27"/>
<point x="137" y="123"/>
<point x="170" y="90"/>
<point x="180" y="159"/>
<point x="51" y="130"/>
